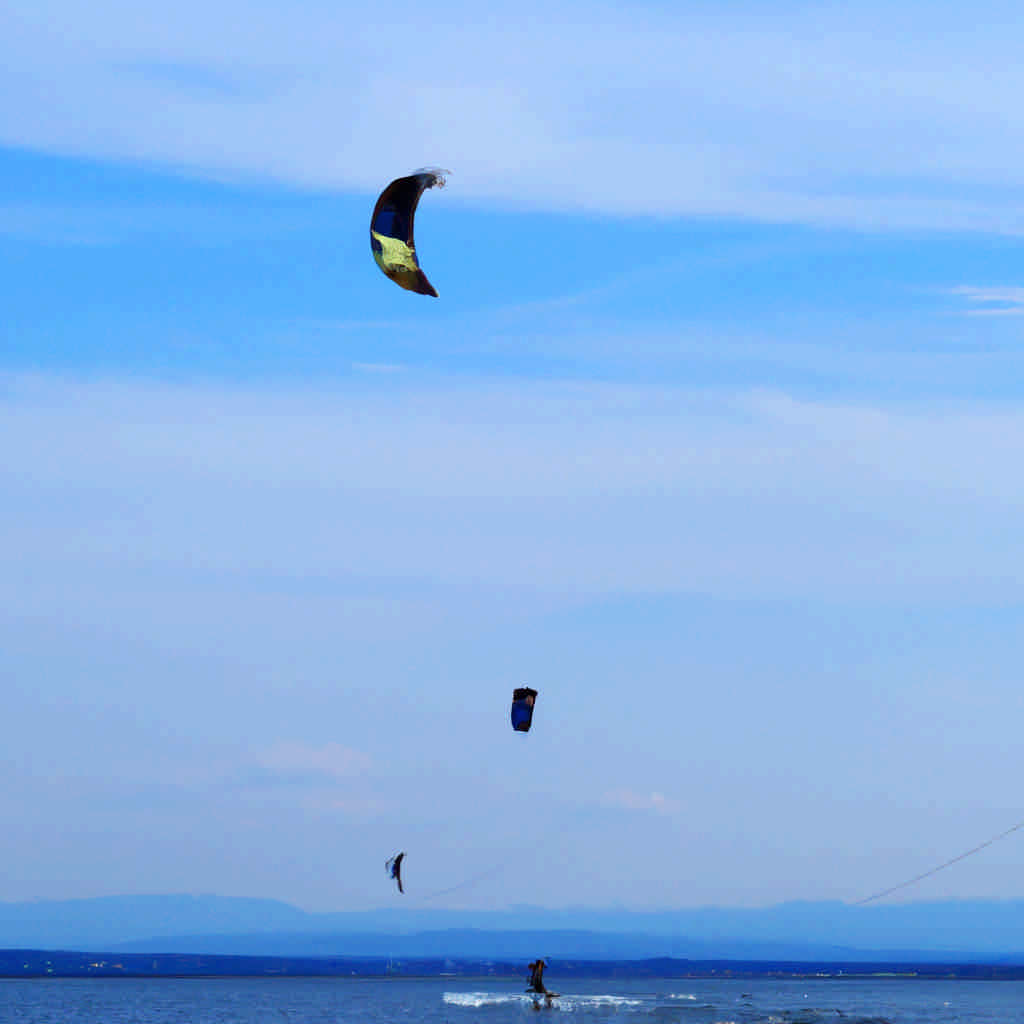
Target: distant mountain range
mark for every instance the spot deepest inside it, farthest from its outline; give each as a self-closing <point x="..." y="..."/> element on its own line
<point x="923" y="932"/>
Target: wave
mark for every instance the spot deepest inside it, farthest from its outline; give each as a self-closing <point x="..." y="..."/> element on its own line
<point x="475" y="1000"/>
<point x="478" y="1000"/>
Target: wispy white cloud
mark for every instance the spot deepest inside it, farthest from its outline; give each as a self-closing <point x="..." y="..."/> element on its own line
<point x="379" y="367"/>
<point x="322" y="779"/>
<point x="992" y="301"/>
<point x="656" y="110"/>
<point x="328" y="802"/>
<point x="99" y="223"/>
<point x="330" y="761"/>
<point x="633" y="800"/>
<point x="350" y="325"/>
<point x="51" y="224"/>
<point x="556" y="487"/>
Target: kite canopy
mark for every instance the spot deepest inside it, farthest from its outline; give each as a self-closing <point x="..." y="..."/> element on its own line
<point x="393" y="866"/>
<point x="391" y="229"/>
<point x="523" y="699"/>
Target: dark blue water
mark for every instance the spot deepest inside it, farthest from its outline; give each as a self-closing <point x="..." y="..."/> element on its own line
<point x="502" y="1001"/>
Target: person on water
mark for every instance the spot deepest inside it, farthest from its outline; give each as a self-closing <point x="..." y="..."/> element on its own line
<point x="537" y="976"/>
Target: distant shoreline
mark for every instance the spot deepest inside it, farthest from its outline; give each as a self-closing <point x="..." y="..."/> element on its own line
<point x="45" y="964"/>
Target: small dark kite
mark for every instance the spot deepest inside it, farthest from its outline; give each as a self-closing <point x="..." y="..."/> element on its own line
<point x="393" y="866"/>
<point x="523" y="700"/>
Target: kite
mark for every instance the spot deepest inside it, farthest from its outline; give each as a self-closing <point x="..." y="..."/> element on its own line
<point x="393" y="866"/>
<point x="391" y="229"/>
<point x="523" y="699"/>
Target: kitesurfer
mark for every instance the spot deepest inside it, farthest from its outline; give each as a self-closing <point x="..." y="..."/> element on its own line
<point x="537" y="976"/>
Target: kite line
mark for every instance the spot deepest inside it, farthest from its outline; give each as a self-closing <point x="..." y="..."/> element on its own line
<point x="940" y="867"/>
<point x="489" y="873"/>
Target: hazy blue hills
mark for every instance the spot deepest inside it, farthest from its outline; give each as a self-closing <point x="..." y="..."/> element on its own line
<point x="103" y="922"/>
<point x="517" y="946"/>
<point x="993" y="931"/>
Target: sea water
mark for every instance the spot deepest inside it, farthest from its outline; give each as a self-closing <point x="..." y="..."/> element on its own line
<point x="503" y="1001"/>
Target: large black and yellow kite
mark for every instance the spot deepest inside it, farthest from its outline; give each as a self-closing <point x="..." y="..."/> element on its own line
<point x="391" y="228"/>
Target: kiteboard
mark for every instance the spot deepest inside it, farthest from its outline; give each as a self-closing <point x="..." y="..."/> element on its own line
<point x="543" y="997"/>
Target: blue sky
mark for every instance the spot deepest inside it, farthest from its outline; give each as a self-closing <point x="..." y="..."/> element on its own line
<point x="713" y="436"/>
